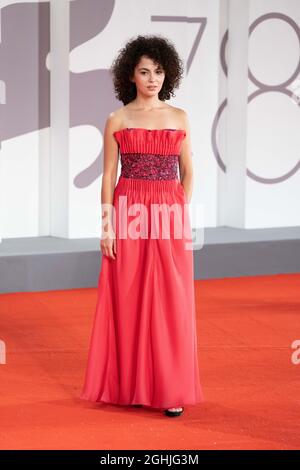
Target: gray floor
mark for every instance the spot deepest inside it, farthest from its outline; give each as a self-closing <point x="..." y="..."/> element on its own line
<point x="53" y="263"/>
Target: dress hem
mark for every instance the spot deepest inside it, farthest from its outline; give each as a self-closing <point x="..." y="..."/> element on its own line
<point x="166" y="406"/>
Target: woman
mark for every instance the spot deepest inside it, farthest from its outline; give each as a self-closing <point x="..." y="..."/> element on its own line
<point x="143" y="347"/>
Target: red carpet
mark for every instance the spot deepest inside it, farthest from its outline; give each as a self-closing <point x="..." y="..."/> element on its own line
<point x="245" y="330"/>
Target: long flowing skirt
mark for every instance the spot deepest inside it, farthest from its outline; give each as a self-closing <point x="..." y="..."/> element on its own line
<point x="143" y="345"/>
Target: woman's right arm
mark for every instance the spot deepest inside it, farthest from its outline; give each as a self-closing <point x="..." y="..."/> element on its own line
<point x="110" y="169"/>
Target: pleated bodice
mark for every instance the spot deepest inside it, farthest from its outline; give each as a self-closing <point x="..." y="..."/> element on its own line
<point x="149" y="153"/>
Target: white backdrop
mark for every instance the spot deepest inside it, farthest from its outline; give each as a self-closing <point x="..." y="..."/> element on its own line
<point x="244" y="121"/>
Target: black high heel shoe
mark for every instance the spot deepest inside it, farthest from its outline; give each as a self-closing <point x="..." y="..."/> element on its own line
<point x="174" y="413"/>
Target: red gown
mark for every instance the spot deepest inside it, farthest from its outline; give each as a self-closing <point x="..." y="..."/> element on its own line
<point x="143" y="345"/>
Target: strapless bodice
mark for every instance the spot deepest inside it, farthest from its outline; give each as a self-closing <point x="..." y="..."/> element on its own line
<point x="149" y="153"/>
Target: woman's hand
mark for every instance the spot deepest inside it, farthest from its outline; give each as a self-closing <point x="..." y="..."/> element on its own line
<point x="108" y="244"/>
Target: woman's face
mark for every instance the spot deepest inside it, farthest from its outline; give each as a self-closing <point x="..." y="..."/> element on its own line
<point x="148" y="76"/>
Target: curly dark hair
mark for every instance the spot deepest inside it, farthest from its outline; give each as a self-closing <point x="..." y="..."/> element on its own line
<point x="161" y="50"/>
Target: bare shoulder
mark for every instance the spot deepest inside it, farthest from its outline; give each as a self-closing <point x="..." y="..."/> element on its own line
<point x="114" y="120"/>
<point x="181" y="113"/>
<point x="182" y="118"/>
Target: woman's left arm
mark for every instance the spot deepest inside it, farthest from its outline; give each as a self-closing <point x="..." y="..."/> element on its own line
<point x="185" y="160"/>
